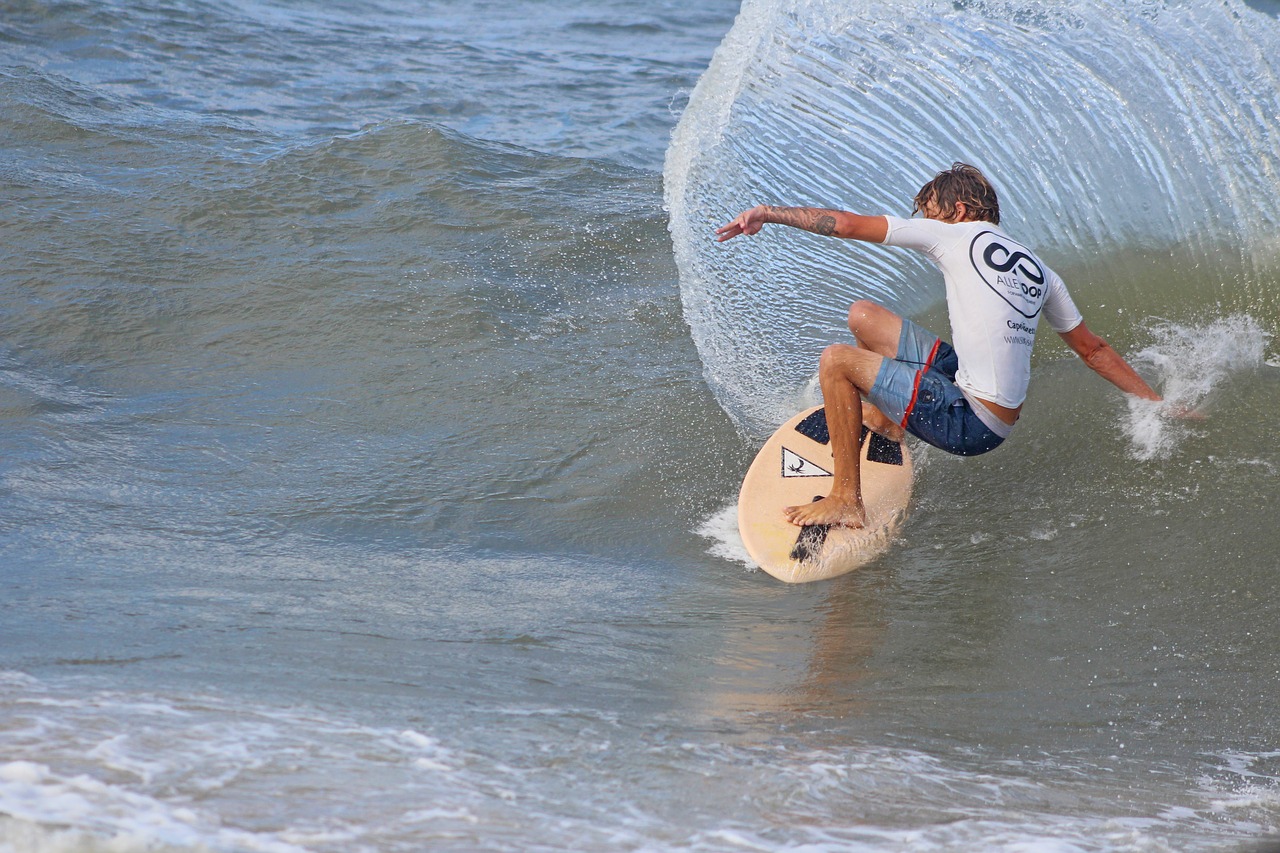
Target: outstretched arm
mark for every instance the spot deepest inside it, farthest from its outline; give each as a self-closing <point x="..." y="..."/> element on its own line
<point x="1107" y="363"/>
<point x="828" y="223"/>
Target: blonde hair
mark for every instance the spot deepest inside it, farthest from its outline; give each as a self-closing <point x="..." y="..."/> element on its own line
<point x="961" y="183"/>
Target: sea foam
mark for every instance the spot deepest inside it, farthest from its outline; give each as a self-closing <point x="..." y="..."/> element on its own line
<point x="1189" y="364"/>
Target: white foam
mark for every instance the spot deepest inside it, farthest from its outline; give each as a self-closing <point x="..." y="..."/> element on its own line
<point x="122" y="772"/>
<point x="726" y="542"/>
<point x="39" y="802"/>
<point x="25" y="772"/>
<point x="1189" y="363"/>
<point x="301" y="779"/>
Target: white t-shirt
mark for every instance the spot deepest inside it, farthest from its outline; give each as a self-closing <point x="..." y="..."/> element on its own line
<point x="996" y="291"/>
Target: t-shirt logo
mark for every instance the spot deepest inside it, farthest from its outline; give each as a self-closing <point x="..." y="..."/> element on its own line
<point x="1010" y="270"/>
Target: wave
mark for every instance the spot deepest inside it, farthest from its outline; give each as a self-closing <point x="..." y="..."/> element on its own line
<point x="1111" y="132"/>
<point x="319" y="333"/>
<point x="118" y="770"/>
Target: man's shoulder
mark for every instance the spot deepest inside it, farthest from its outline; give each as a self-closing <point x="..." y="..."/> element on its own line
<point x="916" y="231"/>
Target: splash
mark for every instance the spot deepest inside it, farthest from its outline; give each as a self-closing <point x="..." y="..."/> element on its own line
<point x="1190" y="363"/>
<point x="1109" y="128"/>
<point x="721" y="529"/>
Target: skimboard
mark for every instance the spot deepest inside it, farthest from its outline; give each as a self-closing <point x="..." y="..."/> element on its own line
<point x="796" y="466"/>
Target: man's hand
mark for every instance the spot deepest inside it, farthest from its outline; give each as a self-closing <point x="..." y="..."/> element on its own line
<point x="1183" y="412"/>
<point x="748" y="222"/>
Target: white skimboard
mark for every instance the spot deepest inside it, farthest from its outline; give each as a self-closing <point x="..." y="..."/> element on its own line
<point x="795" y="466"/>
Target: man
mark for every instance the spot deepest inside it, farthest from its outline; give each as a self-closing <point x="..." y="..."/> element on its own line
<point x="964" y="398"/>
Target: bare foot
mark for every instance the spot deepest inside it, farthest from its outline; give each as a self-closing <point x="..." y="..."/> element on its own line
<point x="845" y="512"/>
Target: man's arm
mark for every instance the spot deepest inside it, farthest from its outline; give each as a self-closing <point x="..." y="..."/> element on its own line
<point x="828" y="223"/>
<point x="1107" y="363"/>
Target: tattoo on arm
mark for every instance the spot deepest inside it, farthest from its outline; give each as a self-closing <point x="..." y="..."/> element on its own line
<point x="813" y="219"/>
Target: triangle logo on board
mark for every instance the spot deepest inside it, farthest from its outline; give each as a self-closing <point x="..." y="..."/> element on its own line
<point x="795" y="465"/>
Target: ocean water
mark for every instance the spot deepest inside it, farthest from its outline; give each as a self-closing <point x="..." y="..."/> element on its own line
<point x="374" y="400"/>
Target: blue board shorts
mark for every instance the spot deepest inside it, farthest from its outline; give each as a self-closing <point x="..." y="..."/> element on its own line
<point x="917" y="390"/>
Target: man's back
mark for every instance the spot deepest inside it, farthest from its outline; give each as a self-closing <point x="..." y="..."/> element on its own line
<point x="997" y="290"/>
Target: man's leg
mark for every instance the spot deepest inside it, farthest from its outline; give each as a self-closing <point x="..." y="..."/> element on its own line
<point x="877" y="329"/>
<point x="845" y="372"/>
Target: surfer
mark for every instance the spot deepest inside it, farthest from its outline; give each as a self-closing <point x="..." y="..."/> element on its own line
<point x="964" y="398"/>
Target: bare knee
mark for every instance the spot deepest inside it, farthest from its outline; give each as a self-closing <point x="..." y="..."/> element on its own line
<point x="862" y="314"/>
<point x="844" y="362"/>
<point x="875" y="327"/>
<point x="835" y="358"/>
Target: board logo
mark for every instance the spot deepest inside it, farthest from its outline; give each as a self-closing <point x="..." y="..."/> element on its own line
<point x="795" y="465"/>
<point x="1011" y="270"/>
